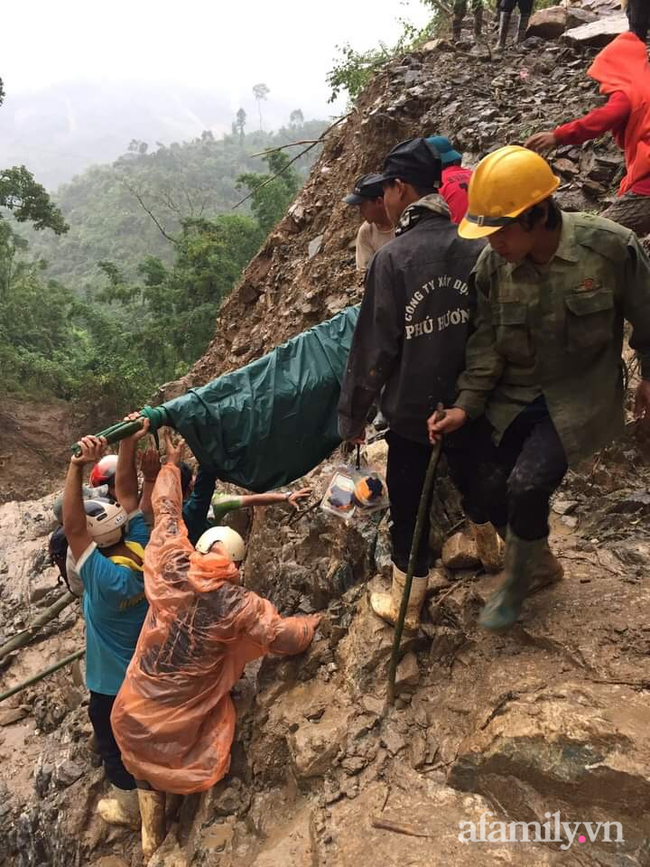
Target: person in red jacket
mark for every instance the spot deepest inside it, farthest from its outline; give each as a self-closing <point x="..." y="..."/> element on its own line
<point x="455" y="179"/>
<point x="623" y="72"/>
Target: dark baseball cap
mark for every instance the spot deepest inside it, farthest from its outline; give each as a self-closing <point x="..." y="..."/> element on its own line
<point x="414" y="161"/>
<point x="366" y="188"/>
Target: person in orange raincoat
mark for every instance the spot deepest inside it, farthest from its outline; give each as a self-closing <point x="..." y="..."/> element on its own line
<point x="173" y="718"/>
<point x="623" y="72"/>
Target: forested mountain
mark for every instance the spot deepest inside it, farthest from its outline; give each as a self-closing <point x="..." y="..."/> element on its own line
<point x="106" y="206"/>
<point x="123" y="293"/>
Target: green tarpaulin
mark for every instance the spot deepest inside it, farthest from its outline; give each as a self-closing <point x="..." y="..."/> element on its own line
<point x="274" y="420"/>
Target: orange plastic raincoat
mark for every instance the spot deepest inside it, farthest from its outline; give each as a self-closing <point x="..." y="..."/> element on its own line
<point x="173" y="718"/>
<point x="623" y="66"/>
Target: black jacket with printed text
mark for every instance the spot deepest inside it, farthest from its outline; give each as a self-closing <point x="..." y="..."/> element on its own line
<point x="413" y="325"/>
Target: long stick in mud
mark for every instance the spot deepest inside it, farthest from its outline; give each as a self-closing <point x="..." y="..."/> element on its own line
<point x="26" y="635"/>
<point x="35" y="679"/>
<point x="419" y="524"/>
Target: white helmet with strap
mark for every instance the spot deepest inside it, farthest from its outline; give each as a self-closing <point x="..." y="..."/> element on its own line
<point x="105" y="521"/>
<point x="232" y="543"/>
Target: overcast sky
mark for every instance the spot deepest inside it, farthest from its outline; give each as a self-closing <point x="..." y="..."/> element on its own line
<point x="224" y="45"/>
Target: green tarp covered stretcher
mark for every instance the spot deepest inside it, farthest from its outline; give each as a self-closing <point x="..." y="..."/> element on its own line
<point x="274" y="420"/>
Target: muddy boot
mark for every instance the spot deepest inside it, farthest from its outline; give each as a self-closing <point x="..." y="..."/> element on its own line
<point x="387" y="605"/>
<point x="120" y="808"/>
<point x="504" y="26"/>
<point x="489" y="546"/>
<point x="522" y="558"/>
<point x="152" y="810"/>
<point x="545" y="571"/>
<point x="478" y="22"/>
<point x="523" y="27"/>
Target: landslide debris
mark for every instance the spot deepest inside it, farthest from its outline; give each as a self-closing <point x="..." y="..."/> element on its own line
<point x="551" y="717"/>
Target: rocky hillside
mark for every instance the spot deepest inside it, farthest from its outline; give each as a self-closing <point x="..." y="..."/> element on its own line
<point x="305" y="272"/>
<point x="550" y="719"/>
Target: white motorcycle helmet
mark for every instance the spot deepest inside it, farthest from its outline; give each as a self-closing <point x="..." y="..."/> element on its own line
<point x="231" y="542"/>
<point x="105" y="521"/>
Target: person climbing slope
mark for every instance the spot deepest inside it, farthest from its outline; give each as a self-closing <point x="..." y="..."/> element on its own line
<point x="543" y="371"/>
<point x="454" y="179"/>
<point x="376" y="230"/>
<point x="107" y="541"/>
<point x="410" y="341"/>
<point x="623" y="72"/>
<point x="174" y="719"/>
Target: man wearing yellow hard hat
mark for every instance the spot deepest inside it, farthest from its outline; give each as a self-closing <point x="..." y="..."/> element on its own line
<point x="543" y="374"/>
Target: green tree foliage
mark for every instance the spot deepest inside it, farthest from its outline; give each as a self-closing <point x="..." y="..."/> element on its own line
<point x="272" y="193"/>
<point x="51" y="344"/>
<point x="260" y="92"/>
<point x="240" y="124"/>
<point x="192" y="180"/>
<point x="109" y="353"/>
<point x="169" y="313"/>
<point x="29" y="201"/>
<point x="296" y="118"/>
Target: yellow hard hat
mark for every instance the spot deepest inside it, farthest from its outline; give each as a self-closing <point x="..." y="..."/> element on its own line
<point x="505" y="184"/>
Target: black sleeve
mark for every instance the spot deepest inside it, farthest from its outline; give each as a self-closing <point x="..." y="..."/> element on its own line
<point x="376" y="344"/>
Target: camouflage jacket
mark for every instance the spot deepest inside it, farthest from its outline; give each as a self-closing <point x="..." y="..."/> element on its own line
<point x="557" y="330"/>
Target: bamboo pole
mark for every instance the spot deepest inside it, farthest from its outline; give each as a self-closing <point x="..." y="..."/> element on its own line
<point x="35" y="679"/>
<point x="422" y="509"/>
<point x="26" y="635"/>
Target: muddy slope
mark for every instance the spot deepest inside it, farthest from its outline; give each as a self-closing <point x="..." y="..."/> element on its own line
<point x="551" y="718"/>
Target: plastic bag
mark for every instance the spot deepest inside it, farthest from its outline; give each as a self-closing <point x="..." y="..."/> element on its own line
<point x="355" y="493"/>
<point x="339" y="496"/>
<point x="173" y="718"/>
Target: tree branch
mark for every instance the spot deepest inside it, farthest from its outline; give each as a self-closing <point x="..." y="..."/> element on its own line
<point x="148" y="211"/>
<point x="292" y="161"/>
<point x="290" y="145"/>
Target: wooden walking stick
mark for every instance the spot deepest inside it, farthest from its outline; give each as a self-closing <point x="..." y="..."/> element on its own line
<point x="417" y="534"/>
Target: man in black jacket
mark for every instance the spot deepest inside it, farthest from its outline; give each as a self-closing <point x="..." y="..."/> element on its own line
<point x="410" y="337"/>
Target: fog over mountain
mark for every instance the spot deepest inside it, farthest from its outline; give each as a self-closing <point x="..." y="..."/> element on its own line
<point x="59" y="131"/>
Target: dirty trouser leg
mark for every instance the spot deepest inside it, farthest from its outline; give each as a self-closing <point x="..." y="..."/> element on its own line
<point x="638" y="13"/>
<point x="459" y="11"/>
<point x="472" y="458"/>
<point x="405" y="472"/>
<point x="99" y="711"/>
<point x="538" y="470"/>
<point x="631" y="211"/>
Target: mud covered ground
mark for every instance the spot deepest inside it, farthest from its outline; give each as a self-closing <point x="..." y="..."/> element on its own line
<point x="551" y="717"/>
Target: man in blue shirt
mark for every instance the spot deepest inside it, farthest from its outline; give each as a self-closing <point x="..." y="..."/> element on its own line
<point x="107" y="541"/>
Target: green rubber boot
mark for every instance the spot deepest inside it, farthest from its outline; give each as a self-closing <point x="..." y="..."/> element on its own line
<point x="522" y="562"/>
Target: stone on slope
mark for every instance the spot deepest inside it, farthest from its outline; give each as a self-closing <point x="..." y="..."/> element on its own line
<point x="548" y="23"/>
<point x="599" y="33"/>
<point x="459" y="552"/>
<point x="571" y="746"/>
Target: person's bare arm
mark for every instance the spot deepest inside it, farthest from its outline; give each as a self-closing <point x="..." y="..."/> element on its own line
<point x="126" y="475"/>
<point x="150" y="467"/>
<point x="292" y="497"/>
<point x="74" y="513"/>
